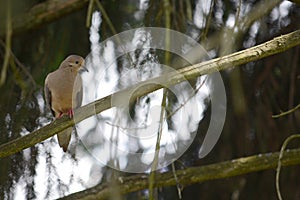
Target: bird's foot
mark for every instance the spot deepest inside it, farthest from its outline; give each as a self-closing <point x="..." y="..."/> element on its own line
<point x="71" y="113"/>
<point x="60" y="115"/>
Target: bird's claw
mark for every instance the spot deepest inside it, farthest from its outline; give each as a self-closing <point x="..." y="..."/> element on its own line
<point x="71" y="113"/>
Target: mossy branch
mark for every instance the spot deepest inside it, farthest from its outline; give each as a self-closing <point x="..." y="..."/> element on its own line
<point x="258" y="52"/>
<point x="43" y="13"/>
<point x="192" y="175"/>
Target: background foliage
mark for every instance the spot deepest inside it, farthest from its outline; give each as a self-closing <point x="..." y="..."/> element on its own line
<point x="254" y="91"/>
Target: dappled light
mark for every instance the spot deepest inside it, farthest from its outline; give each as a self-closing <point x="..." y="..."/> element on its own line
<point x="177" y="93"/>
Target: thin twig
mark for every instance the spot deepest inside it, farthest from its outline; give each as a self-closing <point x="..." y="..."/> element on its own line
<point x="126" y="128"/>
<point x="292" y="137"/>
<point x="189" y="12"/>
<point x="286" y="112"/>
<point x="21" y="65"/>
<point x="7" y="46"/>
<point x="157" y="147"/>
<point x="177" y="182"/>
<point x="89" y="14"/>
<point x="237" y="15"/>
<point x="107" y="19"/>
<point x="152" y="193"/>
<point x="293" y="75"/>
<point x="208" y="20"/>
<point x="189" y="98"/>
<point x="112" y="28"/>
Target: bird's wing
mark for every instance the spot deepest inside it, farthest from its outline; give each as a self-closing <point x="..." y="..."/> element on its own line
<point x="48" y="97"/>
<point x="77" y="98"/>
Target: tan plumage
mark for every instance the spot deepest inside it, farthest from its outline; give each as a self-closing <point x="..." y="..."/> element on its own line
<point x="63" y="93"/>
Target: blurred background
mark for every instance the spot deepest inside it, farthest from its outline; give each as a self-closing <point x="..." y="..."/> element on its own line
<point x="255" y="91"/>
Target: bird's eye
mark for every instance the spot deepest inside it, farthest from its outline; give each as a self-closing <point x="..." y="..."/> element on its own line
<point x="76" y="62"/>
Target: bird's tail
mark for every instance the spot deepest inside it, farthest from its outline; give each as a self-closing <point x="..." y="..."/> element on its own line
<point x="64" y="138"/>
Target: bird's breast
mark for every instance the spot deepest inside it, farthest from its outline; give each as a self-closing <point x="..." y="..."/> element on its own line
<point x="61" y="91"/>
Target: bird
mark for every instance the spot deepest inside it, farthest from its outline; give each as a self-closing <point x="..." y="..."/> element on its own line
<point x="63" y="93"/>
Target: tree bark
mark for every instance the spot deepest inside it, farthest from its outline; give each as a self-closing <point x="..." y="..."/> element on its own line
<point x="191" y="175"/>
<point x="263" y="50"/>
<point x="42" y="14"/>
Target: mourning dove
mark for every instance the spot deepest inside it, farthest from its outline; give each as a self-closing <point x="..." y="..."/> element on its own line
<point x="63" y="93"/>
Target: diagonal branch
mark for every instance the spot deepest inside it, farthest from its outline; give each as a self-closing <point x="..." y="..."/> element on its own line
<point x="263" y="50"/>
<point x="192" y="175"/>
<point x="42" y="13"/>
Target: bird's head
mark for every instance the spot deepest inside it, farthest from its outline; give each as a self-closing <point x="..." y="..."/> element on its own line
<point x="75" y="62"/>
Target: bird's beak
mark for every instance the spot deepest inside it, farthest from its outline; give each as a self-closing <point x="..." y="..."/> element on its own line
<point x="83" y="69"/>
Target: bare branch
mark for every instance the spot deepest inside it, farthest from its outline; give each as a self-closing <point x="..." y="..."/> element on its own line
<point x="283" y="147"/>
<point x="271" y="47"/>
<point x="286" y="112"/>
<point x="192" y="175"/>
<point x="258" y="11"/>
<point x="43" y="13"/>
<point x="7" y="46"/>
